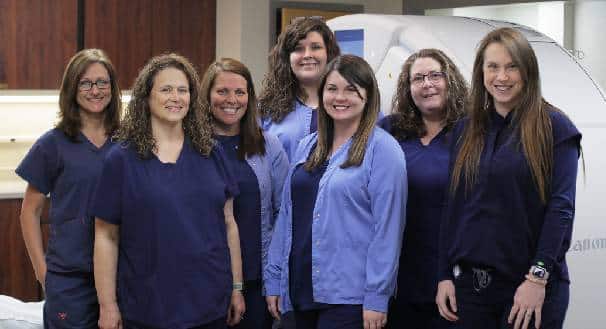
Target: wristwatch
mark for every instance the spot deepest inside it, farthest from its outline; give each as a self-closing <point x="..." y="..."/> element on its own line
<point x="539" y="271"/>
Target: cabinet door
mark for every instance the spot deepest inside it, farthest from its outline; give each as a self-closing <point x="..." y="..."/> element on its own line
<point x="17" y="277"/>
<point x="37" y="38"/>
<point x="133" y="31"/>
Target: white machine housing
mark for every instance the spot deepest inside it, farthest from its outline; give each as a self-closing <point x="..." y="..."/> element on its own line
<point x="388" y="40"/>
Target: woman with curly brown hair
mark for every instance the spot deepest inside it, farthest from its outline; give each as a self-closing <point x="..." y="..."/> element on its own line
<point x="430" y="98"/>
<point x="289" y="98"/>
<point x="167" y="249"/>
<point x="66" y="163"/>
<point x="507" y="221"/>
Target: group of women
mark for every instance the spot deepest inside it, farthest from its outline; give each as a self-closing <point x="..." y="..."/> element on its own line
<point x="200" y="210"/>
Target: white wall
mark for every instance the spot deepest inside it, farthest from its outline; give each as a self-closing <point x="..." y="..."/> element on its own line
<point x="589" y="38"/>
<point x="243" y="28"/>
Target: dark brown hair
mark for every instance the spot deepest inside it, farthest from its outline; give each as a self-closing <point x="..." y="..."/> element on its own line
<point x="69" y="110"/>
<point x="251" y="141"/>
<point x="530" y="116"/>
<point x="407" y="118"/>
<point x="136" y="126"/>
<point x="357" y="72"/>
<point x="280" y="86"/>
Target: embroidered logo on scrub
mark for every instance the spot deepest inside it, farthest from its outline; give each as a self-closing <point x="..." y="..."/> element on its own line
<point x="62" y="315"/>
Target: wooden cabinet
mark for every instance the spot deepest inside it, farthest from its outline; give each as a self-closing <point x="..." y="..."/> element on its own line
<point x="37" y="37"/>
<point x="17" y="277"/>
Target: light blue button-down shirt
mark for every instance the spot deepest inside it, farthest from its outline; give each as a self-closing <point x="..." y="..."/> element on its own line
<point x="271" y="170"/>
<point x="292" y="129"/>
<point x="359" y="217"/>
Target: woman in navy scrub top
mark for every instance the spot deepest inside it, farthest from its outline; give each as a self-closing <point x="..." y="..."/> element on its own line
<point x="289" y="97"/>
<point x="429" y="100"/>
<point x="165" y="230"/>
<point x="334" y="256"/>
<point x="508" y="219"/>
<point x="66" y="163"/>
<point x="260" y="166"/>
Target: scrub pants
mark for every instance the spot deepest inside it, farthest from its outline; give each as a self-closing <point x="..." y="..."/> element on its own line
<point x="405" y="314"/>
<point x="334" y="317"/>
<point x="71" y="301"/>
<point x="257" y="315"/>
<point x="220" y="323"/>
<point x="484" y="300"/>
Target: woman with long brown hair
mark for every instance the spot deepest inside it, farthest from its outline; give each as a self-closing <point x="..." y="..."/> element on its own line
<point x="289" y="97"/>
<point x="334" y="256"/>
<point x="429" y="100"/>
<point x="65" y="163"/>
<point x="508" y="221"/>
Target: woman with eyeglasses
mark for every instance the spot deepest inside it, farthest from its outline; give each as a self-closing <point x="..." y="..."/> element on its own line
<point x="260" y="166"/>
<point x="507" y="222"/>
<point x="334" y="256"/>
<point x="65" y="163"/>
<point x="430" y="98"/>
<point x="167" y="249"/>
<point x="289" y="98"/>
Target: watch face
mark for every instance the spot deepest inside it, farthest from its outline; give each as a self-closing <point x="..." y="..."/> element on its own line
<point x="538" y="272"/>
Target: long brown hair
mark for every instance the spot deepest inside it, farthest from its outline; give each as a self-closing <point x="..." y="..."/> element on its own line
<point x="407" y="118"/>
<point x="69" y="110"/>
<point x="136" y="128"/>
<point x="280" y="86"/>
<point x="530" y="116"/>
<point x="357" y="72"/>
<point x="251" y="141"/>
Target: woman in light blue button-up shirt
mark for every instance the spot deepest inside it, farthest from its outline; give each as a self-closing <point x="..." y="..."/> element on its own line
<point x="359" y="211"/>
<point x="289" y="97"/>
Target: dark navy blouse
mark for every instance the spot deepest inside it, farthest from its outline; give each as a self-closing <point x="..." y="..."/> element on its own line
<point x="427" y="169"/>
<point x="501" y="222"/>
<point x="304" y="190"/>
<point x="174" y="265"/>
<point x="247" y="208"/>
<point x="69" y="171"/>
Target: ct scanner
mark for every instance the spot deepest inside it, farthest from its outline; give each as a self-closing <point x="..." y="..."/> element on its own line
<point x="385" y="41"/>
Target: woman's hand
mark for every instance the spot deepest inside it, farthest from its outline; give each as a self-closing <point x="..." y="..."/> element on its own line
<point x="447" y="300"/>
<point x="235" y="313"/>
<point x="374" y="319"/>
<point x="528" y="299"/>
<point x="110" y="317"/>
<point x="273" y="305"/>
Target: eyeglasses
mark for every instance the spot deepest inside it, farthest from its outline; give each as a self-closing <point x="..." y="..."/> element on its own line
<point x="86" y="85"/>
<point x="433" y="77"/>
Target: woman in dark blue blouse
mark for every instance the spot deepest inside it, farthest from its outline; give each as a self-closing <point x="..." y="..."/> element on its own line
<point x="429" y="100"/>
<point x="65" y="163"/>
<point x="166" y="243"/>
<point x="508" y="220"/>
<point x="260" y="166"/>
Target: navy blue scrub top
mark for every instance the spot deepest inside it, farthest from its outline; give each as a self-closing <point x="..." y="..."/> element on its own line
<point x="501" y="222"/>
<point x="304" y="190"/>
<point x="247" y="208"/>
<point x="427" y="170"/>
<point x="174" y="265"/>
<point x="313" y="125"/>
<point x="69" y="171"/>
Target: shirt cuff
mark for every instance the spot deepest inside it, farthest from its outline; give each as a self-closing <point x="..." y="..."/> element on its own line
<point x="272" y="287"/>
<point x="376" y="302"/>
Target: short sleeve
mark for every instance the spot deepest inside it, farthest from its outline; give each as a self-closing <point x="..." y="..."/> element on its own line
<point x="41" y="166"/>
<point x="107" y="200"/>
<point x="226" y="172"/>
